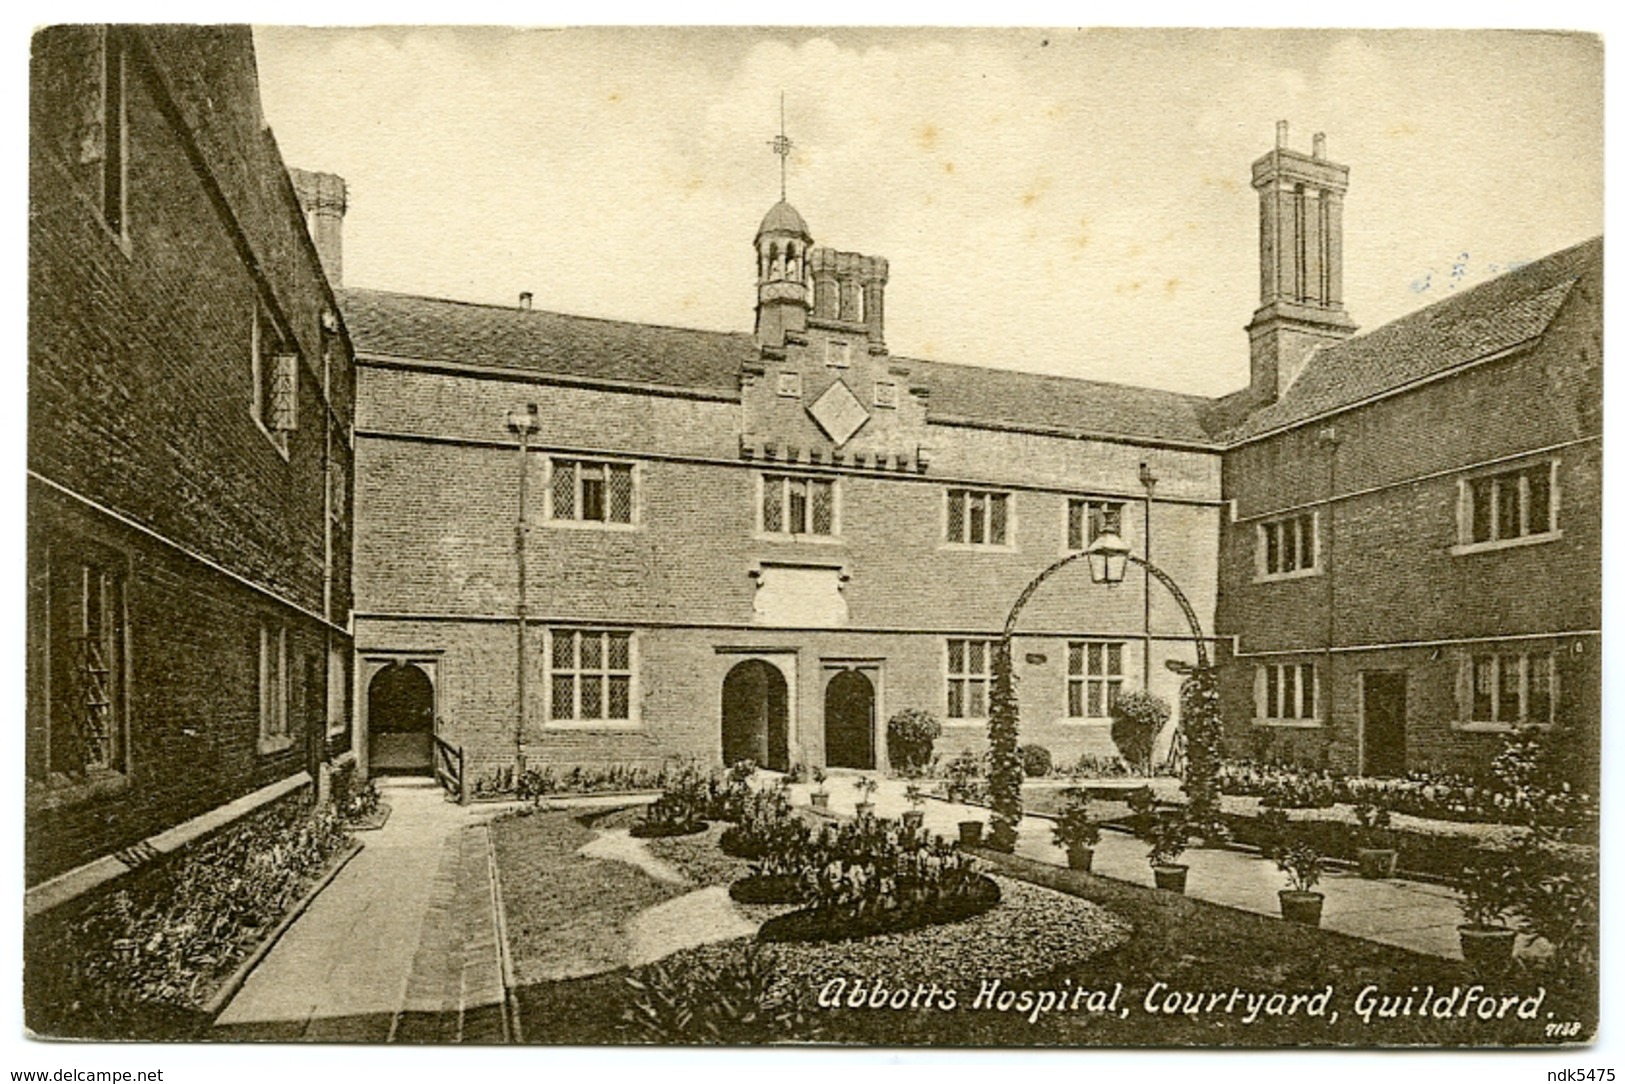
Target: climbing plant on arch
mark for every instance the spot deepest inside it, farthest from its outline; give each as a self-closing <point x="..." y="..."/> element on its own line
<point x="1199" y="703"/>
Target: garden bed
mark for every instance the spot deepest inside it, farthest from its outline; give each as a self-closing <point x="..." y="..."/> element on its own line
<point x="816" y="924"/>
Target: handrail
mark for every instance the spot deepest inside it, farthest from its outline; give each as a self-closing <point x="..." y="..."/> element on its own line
<point x="449" y="770"/>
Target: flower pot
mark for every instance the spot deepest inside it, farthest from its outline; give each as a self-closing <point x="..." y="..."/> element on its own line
<point x="820" y="800"/>
<point x="1487" y="948"/>
<point x="913" y="819"/>
<point x="970" y="833"/>
<point x="1377" y="863"/>
<point x="864" y="809"/>
<point x="1080" y="857"/>
<point x="1170" y="877"/>
<point x="1302" y="907"/>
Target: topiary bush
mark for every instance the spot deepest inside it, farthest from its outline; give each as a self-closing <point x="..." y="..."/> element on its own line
<point x="1137" y="719"/>
<point x="1036" y="761"/>
<point x="910" y="736"/>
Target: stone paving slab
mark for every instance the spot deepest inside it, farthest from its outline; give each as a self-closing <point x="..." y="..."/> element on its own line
<point x="401" y="946"/>
<point x="1414" y="915"/>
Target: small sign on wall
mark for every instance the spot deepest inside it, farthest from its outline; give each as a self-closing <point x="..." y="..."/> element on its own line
<point x="1036" y="659"/>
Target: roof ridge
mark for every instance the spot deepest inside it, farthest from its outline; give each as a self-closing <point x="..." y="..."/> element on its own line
<point x="498" y="307"/>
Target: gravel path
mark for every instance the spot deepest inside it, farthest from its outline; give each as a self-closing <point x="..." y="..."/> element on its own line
<point x="1032" y="931"/>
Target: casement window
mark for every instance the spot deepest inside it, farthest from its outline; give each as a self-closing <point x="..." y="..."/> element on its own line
<point x="970" y="664"/>
<point x="978" y="517"/>
<point x="1094" y="678"/>
<point x="1509" y="506"/>
<point x="1289" y="546"/>
<point x="1087" y="520"/>
<point x="273" y="685"/>
<point x="78" y="700"/>
<point x="79" y="109"/>
<point x="591" y="491"/>
<point x="798" y="505"/>
<point x="276" y="379"/>
<point x="589" y="675"/>
<point x="1286" y="692"/>
<point x="1508" y="688"/>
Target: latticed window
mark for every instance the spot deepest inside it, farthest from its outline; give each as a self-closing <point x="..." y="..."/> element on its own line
<point x="1512" y="688"/>
<point x="969" y="675"/>
<point x="1094" y="678"/>
<point x="1288" y="545"/>
<point x="592" y="491"/>
<point x="798" y="505"/>
<point x="77" y="656"/>
<point x="1509" y="505"/>
<point x="1088" y="520"/>
<point x="590" y="674"/>
<point x="79" y="109"/>
<point x="273" y="681"/>
<point x="1286" y="691"/>
<point x="978" y="517"/>
<point x="276" y="378"/>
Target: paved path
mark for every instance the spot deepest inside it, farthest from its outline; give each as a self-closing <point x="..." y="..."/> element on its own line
<point x="402" y="946"/>
<point x="1409" y="914"/>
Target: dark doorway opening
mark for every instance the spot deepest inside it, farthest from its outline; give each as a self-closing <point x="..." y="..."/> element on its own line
<point x="400" y="721"/>
<point x="849" y="721"/>
<point x="1384" y="731"/>
<point x="756" y="716"/>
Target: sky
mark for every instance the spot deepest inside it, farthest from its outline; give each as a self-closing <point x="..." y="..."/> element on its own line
<point x="1063" y="201"/>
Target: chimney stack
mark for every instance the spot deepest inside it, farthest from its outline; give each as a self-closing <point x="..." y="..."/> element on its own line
<point x="524" y="300"/>
<point x="323" y="198"/>
<point x="1300" y="246"/>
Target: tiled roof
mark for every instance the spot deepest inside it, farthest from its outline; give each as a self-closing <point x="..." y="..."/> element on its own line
<point x="1489" y="318"/>
<point x="434" y="329"/>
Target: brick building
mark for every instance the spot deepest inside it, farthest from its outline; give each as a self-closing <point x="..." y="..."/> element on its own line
<point x="763" y="545"/>
<point x="754" y="545"/>
<point x="1411" y="558"/>
<point x="191" y="393"/>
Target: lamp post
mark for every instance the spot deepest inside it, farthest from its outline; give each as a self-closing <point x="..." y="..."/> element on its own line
<point x="1109" y="558"/>
<point x="522" y="423"/>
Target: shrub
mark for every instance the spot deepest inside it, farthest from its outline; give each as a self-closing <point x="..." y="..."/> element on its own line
<point x="1302" y="864"/>
<point x="910" y="736"/>
<point x="1557" y="899"/>
<point x="1169" y="836"/>
<point x="1090" y="766"/>
<point x="1073" y="828"/>
<point x="964" y="778"/>
<point x="1036" y="761"/>
<point x="1137" y="719"/>
<point x="1488" y="886"/>
<point x="689" y="999"/>
<point x="159" y="945"/>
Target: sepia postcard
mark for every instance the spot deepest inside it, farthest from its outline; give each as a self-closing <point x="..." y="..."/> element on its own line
<point x="901" y="538"/>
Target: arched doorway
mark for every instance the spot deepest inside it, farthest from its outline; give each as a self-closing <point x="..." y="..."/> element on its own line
<point x="756" y="716"/>
<point x="400" y="720"/>
<point x="849" y="721"/>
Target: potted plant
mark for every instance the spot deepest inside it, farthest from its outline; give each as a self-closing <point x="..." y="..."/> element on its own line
<point x="1376" y="852"/>
<point x="1077" y="833"/>
<point x="1303" y="865"/>
<point x="1168" y="836"/>
<point x="914" y="816"/>
<point x="866" y="787"/>
<point x="820" y="796"/>
<point x="1489" y="894"/>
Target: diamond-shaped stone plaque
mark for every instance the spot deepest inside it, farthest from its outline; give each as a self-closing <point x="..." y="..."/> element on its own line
<point x="838" y="412"/>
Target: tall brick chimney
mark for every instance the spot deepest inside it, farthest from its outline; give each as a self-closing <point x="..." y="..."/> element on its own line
<point x="1300" y="248"/>
<point x="323" y="198"/>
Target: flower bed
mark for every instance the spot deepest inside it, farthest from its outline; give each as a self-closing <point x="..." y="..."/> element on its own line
<point x="143" y="959"/>
<point x="1519" y="789"/>
<point x="823" y="923"/>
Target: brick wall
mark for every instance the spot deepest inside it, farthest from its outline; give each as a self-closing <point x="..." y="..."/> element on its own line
<point x="1390" y="572"/>
<point x="141" y="412"/>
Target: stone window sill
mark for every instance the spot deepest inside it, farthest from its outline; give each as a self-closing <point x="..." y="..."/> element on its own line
<point x="1289" y="724"/>
<point x="62" y="791"/>
<point x="277" y="744"/>
<point x="1463" y="548"/>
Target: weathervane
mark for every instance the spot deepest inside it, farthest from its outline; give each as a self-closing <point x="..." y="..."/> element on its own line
<point x="781" y="146"/>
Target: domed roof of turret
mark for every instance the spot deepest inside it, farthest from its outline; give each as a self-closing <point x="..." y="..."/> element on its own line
<point x="783" y="218"/>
